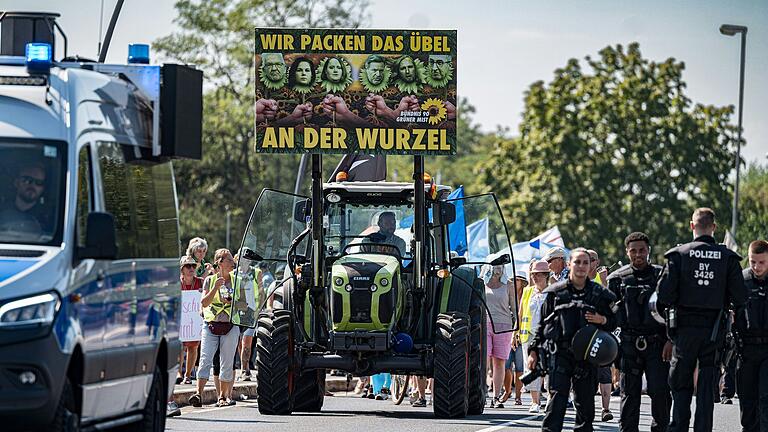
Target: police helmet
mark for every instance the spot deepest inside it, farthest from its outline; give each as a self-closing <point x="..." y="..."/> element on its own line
<point x="656" y="311"/>
<point x="596" y="346"/>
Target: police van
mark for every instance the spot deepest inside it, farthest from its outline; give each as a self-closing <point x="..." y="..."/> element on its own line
<point x="89" y="231"/>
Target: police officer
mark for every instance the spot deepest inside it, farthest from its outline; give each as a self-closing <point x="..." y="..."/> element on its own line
<point x="752" y="334"/>
<point x="570" y="305"/>
<point x="700" y="280"/>
<point x="644" y="344"/>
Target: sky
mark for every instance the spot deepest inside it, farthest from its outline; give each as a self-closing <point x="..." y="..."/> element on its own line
<point x="505" y="45"/>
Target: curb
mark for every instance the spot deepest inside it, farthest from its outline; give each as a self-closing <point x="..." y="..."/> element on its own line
<point x="248" y="389"/>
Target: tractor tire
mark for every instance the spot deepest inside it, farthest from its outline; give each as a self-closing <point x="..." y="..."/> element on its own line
<point x="309" y="391"/>
<point x="451" y="365"/>
<point x="274" y="357"/>
<point x="478" y="342"/>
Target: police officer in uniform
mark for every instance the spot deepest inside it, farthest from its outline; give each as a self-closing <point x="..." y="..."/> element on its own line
<point x="699" y="282"/>
<point x="571" y="304"/>
<point x="644" y="344"/>
<point x="752" y="335"/>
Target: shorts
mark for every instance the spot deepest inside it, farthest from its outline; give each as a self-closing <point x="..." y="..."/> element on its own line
<point x="515" y="360"/>
<point x="604" y="375"/>
<point x="248" y="331"/>
<point x="499" y="344"/>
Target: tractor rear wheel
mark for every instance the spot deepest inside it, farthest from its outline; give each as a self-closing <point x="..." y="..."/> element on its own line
<point x="451" y="365"/>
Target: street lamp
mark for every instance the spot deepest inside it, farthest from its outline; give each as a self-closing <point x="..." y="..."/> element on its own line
<point x="733" y="30"/>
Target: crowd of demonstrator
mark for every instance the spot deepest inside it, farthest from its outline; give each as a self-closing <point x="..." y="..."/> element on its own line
<point x="701" y="291"/>
<point x="223" y="345"/>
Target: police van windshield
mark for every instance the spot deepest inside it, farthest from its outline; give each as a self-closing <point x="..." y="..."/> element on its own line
<point x="32" y="174"/>
<point x="350" y="224"/>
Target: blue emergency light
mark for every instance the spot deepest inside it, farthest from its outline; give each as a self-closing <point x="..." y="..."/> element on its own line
<point x="38" y="57"/>
<point x="138" y="53"/>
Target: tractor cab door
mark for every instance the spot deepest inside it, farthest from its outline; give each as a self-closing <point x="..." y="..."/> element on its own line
<point x="276" y="220"/>
<point x="478" y="242"/>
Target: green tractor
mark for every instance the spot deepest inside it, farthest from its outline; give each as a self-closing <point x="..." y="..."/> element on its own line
<point x="370" y="285"/>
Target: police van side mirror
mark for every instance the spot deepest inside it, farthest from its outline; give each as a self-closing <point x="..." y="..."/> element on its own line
<point x="100" y="238"/>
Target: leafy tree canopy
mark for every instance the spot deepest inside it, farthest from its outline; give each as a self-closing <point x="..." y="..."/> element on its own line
<point x="611" y="147"/>
<point x="753" y="207"/>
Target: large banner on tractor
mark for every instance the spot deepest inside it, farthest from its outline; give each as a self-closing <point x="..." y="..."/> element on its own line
<point x="346" y="91"/>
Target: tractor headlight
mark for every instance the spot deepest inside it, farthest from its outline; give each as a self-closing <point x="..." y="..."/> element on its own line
<point x="348" y="287"/>
<point x="384" y="282"/>
<point x="39" y="309"/>
<point x="339" y="281"/>
<point x="374" y="288"/>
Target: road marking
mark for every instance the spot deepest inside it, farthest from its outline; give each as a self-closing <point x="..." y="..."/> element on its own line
<point x="508" y="424"/>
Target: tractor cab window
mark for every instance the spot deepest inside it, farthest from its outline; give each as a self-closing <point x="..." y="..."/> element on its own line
<point x="369" y="225"/>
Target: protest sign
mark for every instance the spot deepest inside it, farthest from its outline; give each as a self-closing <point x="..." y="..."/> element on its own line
<point x="191" y="321"/>
<point x="347" y="91"/>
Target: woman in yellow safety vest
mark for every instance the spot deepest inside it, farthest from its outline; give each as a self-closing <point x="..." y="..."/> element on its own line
<point x="218" y="332"/>
<point x="530" y="315"/>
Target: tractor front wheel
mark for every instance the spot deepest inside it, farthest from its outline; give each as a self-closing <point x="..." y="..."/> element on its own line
<point x="274" y="356"/>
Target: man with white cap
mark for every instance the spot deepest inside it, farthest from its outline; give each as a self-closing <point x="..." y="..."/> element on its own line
<point x="555" y="257"/>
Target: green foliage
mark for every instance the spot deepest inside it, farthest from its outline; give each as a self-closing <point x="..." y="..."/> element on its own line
<point x="753" y="207"/>
<point x="610" y="149"/>
<point x="218" y="37"/>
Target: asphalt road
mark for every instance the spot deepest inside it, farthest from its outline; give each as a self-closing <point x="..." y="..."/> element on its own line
<point x="343" y="413"/>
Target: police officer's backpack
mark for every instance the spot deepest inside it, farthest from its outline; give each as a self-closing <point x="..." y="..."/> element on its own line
<point x="596" y="346"/>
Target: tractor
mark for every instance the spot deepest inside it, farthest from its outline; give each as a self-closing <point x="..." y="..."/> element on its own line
<point x="370" y="284"/>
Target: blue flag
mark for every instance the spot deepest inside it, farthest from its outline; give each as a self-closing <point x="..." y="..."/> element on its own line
<point x="478" y="246"/>
<point x="457" y="231"/>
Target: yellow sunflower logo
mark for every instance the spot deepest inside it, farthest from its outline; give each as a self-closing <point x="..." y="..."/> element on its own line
<point x="436" y="110"/>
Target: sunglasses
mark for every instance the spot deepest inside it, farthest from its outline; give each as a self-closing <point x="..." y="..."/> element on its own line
<point x="31" y="180"/>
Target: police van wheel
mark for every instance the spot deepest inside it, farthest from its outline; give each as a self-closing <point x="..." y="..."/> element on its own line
<point x="451" y="365"/>
<point x="309" y="391"/>
<point x="66" y="418"/>
<point x="478" y="388"/>
<point x="274" y="355"/>
<point x="154" y="411"/>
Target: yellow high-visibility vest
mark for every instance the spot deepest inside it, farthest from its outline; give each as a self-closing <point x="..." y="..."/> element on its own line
<point x="217" y="306"/>
<point x="525" y="316"/>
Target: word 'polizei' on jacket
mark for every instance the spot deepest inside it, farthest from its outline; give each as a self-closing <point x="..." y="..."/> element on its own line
<point x="564" y="308"/>
<point x="701" y="277"/>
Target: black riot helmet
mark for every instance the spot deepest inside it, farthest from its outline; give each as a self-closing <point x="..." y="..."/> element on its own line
<point x="596" y="346"/>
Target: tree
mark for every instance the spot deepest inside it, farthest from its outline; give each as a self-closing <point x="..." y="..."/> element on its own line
<point x="614" y="148"/>
<point x="218" y="37"/>
<point x="753" y="207"/>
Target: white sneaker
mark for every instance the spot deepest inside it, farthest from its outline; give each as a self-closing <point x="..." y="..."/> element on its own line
<point x="534" y="409"/>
